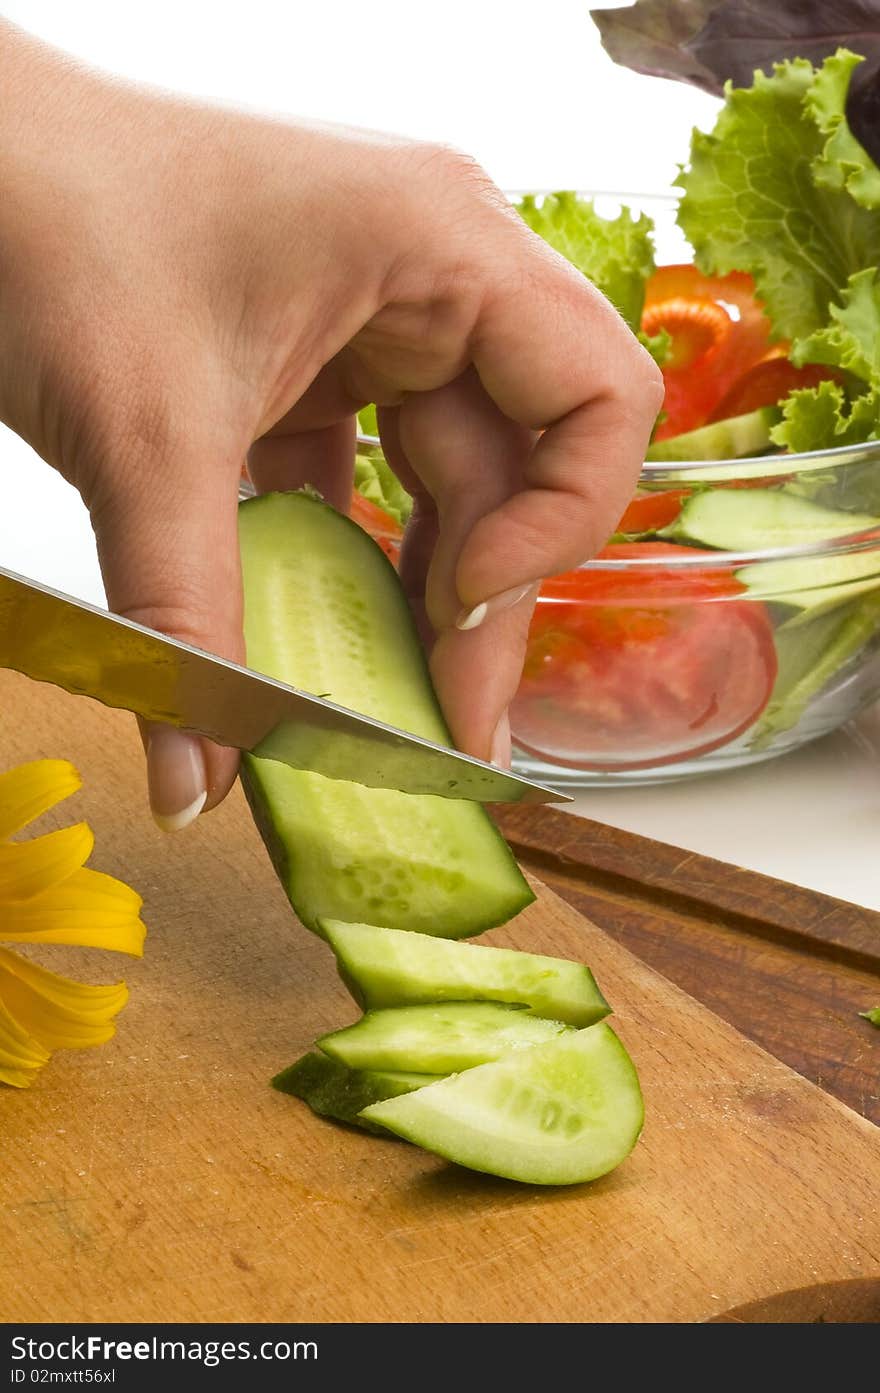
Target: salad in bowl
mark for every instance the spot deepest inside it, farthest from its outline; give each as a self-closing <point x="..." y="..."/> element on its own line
<point x="735" y="613"/>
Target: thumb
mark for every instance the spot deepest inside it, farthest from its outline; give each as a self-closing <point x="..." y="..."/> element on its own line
<point x="168" y="548"/>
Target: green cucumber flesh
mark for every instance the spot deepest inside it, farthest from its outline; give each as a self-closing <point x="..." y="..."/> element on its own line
<point x="810" y="583"/>
<point x="737" y="436"/>
<point x="391" y="967"/>
<point x="332" y="1090"/>
<point x="758" y="519"/>
<point x="766" y="519"/>
<point x="558" y="1114"/>
<point x="325" y="611"/>
<point x="438" y="1039"/>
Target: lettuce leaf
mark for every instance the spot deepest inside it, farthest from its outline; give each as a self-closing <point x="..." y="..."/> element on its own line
<point x="367" y="422"/>
<point x="658" y="345"/>
<point x="655" y="37"/>
<point x="818" y="418"/>
<point x="376" y="480"/>
<point x="852" y="338"/>
<point x="873" y="1015"/>
<point x="752" y="201"/>
<point x="810" y="655"/>
<point x="708" y="42"/>
<point x="616" y="254"/>
<point x="844" y="163"/>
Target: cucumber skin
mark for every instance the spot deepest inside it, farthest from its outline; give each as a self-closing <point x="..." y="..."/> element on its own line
<point x="284" y="862"/>
<point x="432" y="1125"/>
<point x="383" y="981"/>
<point x="734" y="437"/>
<point x="757" y="519"/>
<point x="463" y="916"/>
<point x="333" y="1090"/>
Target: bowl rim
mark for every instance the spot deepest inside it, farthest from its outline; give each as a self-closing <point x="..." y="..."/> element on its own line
<point x="865" y="540"/>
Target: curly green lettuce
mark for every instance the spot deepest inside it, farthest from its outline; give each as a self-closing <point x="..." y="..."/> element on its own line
<point x="844" y="163"/>
<point x="832" y="414"/>
<point x="772" y="190"/>
<point x="376" y="480"/>
<point x="616" y="254"/>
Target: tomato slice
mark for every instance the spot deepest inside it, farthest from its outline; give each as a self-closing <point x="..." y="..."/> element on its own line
<point x="768" y="382"/>
<point x="382" y="527"/>
<point x="640" y="668"/>
<point x="723" y="334"/>
<point x="648" y="512"/>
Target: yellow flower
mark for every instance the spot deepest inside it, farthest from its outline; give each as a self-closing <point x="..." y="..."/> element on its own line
<point x="47" y="895"/>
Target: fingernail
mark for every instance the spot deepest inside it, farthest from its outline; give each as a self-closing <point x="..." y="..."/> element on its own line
<point x="500" y="751"/>
<point x="176" y="776"/>
<point x="506" y="599"/>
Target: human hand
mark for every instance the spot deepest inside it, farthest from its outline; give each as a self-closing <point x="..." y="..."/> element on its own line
<point x="184" y="287"/>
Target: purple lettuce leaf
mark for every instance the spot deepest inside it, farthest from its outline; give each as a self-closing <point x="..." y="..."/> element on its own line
<point x="708" y="42"/>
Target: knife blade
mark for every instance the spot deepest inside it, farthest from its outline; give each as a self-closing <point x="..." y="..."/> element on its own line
<point x="53" y="637"/>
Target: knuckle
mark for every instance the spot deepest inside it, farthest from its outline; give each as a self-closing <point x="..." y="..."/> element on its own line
<point x="649" y="378"/>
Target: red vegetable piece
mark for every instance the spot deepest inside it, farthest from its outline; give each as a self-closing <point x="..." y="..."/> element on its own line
<point x="700" y="370"/>
<point x="640" y="668"/>
<point x="769" y="382"/>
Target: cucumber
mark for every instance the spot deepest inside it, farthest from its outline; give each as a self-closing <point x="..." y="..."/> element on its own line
<point x="437" y="1039"/>
<point x="812" y="649"/>
<point x="810" y="583"/>
<point x="324" y="611"/>
<point x="730" y="439"/>
<point x="389" y="967"/>
<point x="557" y="1114"/>
<point x="761" y="519"/>
<point x="758" y="519"/>
<point x="332" y="1090"/>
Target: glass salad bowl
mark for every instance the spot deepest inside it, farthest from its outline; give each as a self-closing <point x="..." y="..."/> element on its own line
<point x="735" y="614"/>
<point x="746" y="624"/>
<point x="736" y="618"/>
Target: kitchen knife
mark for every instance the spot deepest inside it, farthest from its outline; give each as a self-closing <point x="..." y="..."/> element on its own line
<point x="55" y="638"/>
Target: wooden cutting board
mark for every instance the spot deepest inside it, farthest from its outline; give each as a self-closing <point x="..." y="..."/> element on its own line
<point x="791" y="968"/>
<point x="160" y="1178"/>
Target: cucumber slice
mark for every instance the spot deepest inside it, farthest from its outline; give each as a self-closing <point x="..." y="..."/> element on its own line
<point x="332" y="1090"/>
<point x="757" y="519"/>
<point x="738" y="435"/>
<point x="557" y="1114"/>
<point x="812" y="649"/>
<point x="389" y="967"/>
<point x="324" y="611"/>
<point x="437" y="1039"/>
<point x="813" y="582"/>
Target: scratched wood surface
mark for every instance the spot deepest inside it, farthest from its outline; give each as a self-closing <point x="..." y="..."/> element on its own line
<point x="159" y="1178"/>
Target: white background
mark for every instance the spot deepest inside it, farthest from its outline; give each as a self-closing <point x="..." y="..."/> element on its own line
<point x="525" y="87"/>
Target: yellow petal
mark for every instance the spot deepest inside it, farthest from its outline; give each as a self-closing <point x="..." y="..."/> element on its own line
<point x="28" y="868"/>
<point x="32" y="789"/>
<point x="88" y="909"/>
<point x="21" y="1057"/>
<point x="55" y="1011"/>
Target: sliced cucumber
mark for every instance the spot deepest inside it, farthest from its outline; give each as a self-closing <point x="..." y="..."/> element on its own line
<point x="757" y="519"/>
<point x="324" y="611"/>
<point x="557" y="1114"/>
<point x="730" y="439"/>
<point x="332" y="1090"/>
<point x="437" y="1039"/>
<point x="764" y="519"/>
<point x="817" y="582"/>
<point x="812" y="649"/>
<point x="389" y="967"/>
